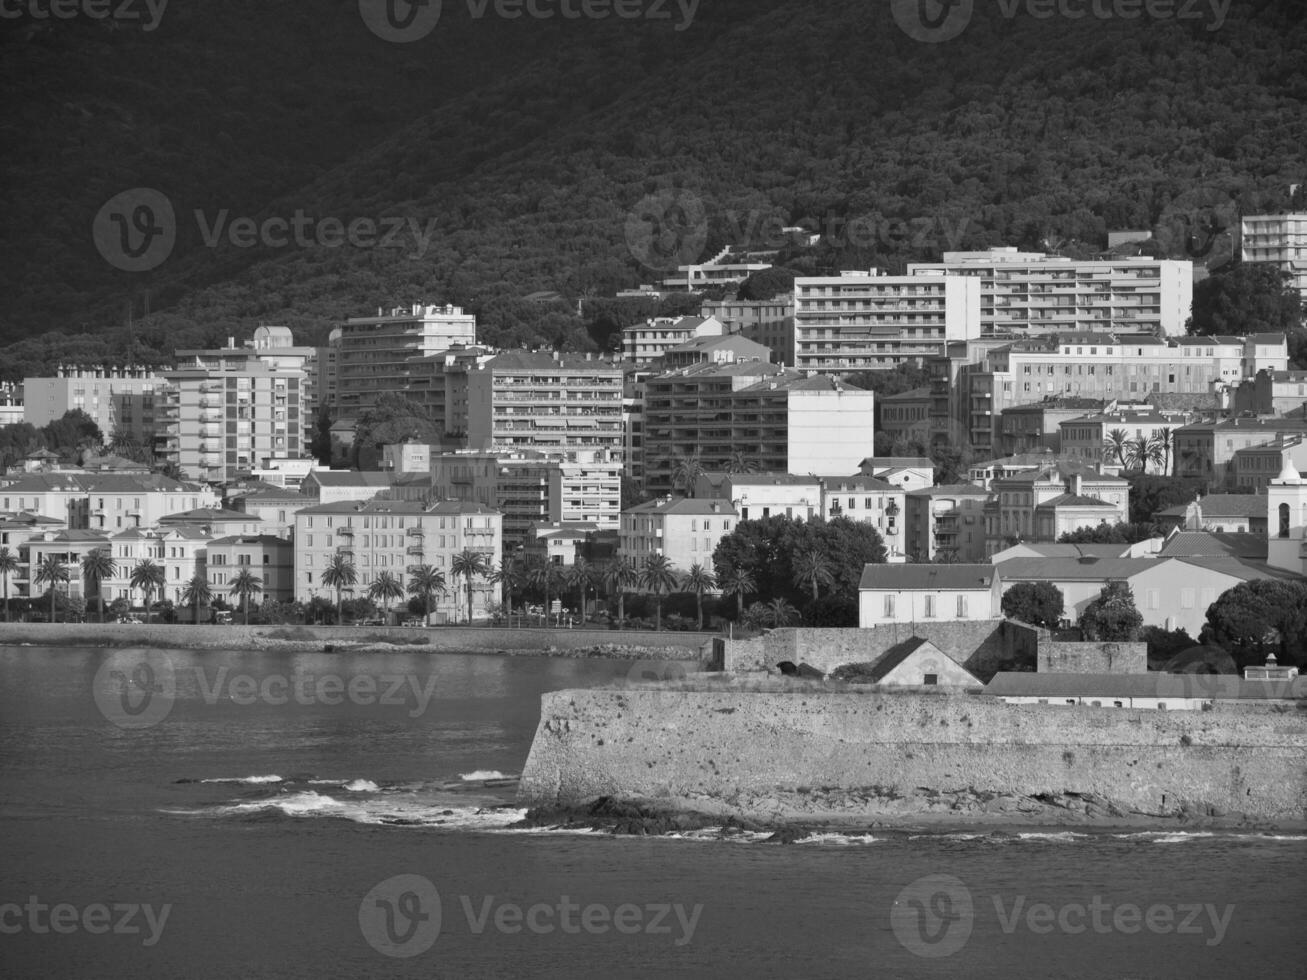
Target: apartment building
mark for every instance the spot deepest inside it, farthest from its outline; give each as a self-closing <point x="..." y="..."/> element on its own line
<point x="337" y="486"/>
<point x="551" y="402"/>
<point x="759" y="495"/>
<point x="118" y="399"/>
<point x="868" y="500"/>
<point x="1254" y="467"/>
<point x="726" y="349"/>
<point x="649" y="341"/>
<point x="907" y="414"/>
<point x="1280" y="239"/>
<point x="407" y="457"/>
<point x="1037" y="427"/>
<point x="270" y="558"/>
<point x="395" y="536"/>
<point x="11" y="403"/>
<point x="438" y="382"/>
<point x="181" y="552"/>
<point x="325" y="375"/>
<point x="376" y="353"/>
<point x="684" y="529"/>
<point x="864" y="321"/>
<point x="275" y="509"/>
<point x="777" y="418"/>
<point x="1045" y="504"/>
<point x="1272" y="393"/>
<point x="1092" y="437"/>
<point x="103" y="501"/>
<point x="1030" y="292"/>
<point x="769" y="322"/>
<point x="946" y="521"/>
<point x="1206" y="449"/>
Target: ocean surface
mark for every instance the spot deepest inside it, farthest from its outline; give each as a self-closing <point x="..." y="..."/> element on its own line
<point x="220" y="815"/>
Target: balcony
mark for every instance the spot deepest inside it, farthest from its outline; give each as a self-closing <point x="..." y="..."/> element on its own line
<point x="414" y="549"/>
<point x="345" y="532"/>
<point x="416" y="532"/>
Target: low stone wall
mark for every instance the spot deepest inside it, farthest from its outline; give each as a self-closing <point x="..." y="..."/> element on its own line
<point x="984" y="647"/>
<point x="439" y="639"/>
<point x="1090" y="657"/>
<point x="838" y="756"/>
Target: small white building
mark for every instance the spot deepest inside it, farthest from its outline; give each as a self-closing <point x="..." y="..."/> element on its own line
<point x="927" y="593"/>
<point x="919" y="663"/>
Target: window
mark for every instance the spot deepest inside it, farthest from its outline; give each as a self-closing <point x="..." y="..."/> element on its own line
<point x="930" y="607"/>
<point x="889" y="607"/>
<point x="962" y="606"/>
<point x="930" y="679"/>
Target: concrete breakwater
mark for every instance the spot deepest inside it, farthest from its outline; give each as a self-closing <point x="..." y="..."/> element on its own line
<point x="855" y="758"/>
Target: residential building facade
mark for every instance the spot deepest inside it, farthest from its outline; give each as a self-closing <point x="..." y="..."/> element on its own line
<point x="684" y="529"/>
<point x="1279" y="239"/>
<point x="909" y="594"/>
<point x="119" y="400"/>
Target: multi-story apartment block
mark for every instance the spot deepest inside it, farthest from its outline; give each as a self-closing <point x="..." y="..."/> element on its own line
<point x="907" y="414"/>
<point x="1272" y="393"/>
<point x="777" y="418"/>
<point x="759" y="495"/>
<point x="1206" y="449"/>
<point x="864" y="321"/>
<point x="180" y="551"/>
<point x="1253" y="468"/>
<point x="554" y="403"/>
<point x="395" y="536"/>
<point x="270" y="558"/>
<point x="1029" y="292"/>
<point x="103" y="501"/>
<point x="326" y="375"/>
<point x="868" y="500"/>
<point x="946" y="521"/>
<point x="1045" y="504"/>
<point x="1037" y="427"/>
<point x="118" y="399"/>
<point x="684" y="529"/>
<point x="769" y="322"/>
<point x="377" y="352"/>
<point x="649" y="341"/>
<point x="1092" y="438"/>
<point x="275" y="509"/>
<point x="1280" y="239"/>
<point x="11" y="403"/>
<point x="438" y="382"/>
<point x="236" y="409"/>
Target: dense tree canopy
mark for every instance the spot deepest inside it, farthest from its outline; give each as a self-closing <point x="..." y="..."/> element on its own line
<point x="1258" y="618"/>
<point x="1244" y="298"/>
<point x="1113" y="615"/>
<point x="1111" y="534"/>
<point x="1036" y="603"/>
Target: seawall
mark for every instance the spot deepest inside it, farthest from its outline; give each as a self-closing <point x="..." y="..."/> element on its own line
<point x="857" y="758"/>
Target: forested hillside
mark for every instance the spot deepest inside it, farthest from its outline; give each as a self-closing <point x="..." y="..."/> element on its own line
<point x="524" y="146"/>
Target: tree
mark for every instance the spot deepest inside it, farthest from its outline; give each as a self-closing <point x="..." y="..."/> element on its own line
<point x="781" y="613"/>
<point x="582" y="577"/>
<point x="618" y="576"/>
<point x="768" y="283"/>
<point x="659" y="578"/>
<point x="699" y="580"/>
<point x="244" y="585"/>
<point x="739" y="583"/>
<point x="147" y="576"/>
<point x="1260" y="617"/>
<point x="509" y="578"/>
<point x="1161" y="445"/>
<point x="1116" y="444"/>
<point x="51" y="571"/>
<point x="1111" y="534"/>
<point x="1036" y="603"/>
<point x="72" y="432"/>
<point x="340" y="574"/>
<point x="97" y="566"/>
<point x="9" y="565"/>
<point x="197" y="593"/>
<point x="1113" y="615"/>
<point x="468" y="564"/>
<point x="424" y="581"/>
<point x="1150" y="494"/>
<point x="543" y="576"/>
<point x="686" y="471"/>
<point x="385" y="588"/>
<point x="812" y="567"/>
<point x="1246" y="298"/>
<point x="740" y="462"/>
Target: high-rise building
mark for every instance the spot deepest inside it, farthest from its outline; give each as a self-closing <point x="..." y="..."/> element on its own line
<point x="1030" y="292"/>
<point x="1280" y="239"/>
<point x="376" y="351"/>
<point x="118" y="399"/>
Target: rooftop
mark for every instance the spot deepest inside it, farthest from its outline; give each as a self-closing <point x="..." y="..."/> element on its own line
<point x="684" y="506"/>
<point x="1151" y="685"/>
<point x="906" y="578"/>
<point x="1218" y="505"/>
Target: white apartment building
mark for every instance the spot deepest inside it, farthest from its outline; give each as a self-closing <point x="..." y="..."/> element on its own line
<point x="270" y="558"/>
<point x="1030" y="292"/>
<point x="869" y="500"/>
<point x="684" y="529"/>
<point x="1045" y="504"/>
<point x="1280" y="239"/>
<point x="864" y="321"/>
<point x="118" y="399"/>
<point x="375" y="351"/>
<point x="103" y="501"/>
<point x="648" y="341"/>
<point x="395" y="536"/>
<point x="948" y="519"/>
<point x="1088" y="437"/>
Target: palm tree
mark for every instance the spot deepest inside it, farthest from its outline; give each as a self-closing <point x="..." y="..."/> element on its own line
<point x="147" y="576"/>
<point x="740" y="462"/>
<point x="699" y="580"/>
<point x="510" y="578"/>
<point x="469" y="564"/>
<point x="781" y="612"/>
<point x="1160" y="445"/>
<point x="543" y="577"/>
<point x="386" y="588"/>
<point x="97" y="566"/>
<point x="659" y="578"/>
<point x="426" y="581"/>
<point x="582" y="577"/>
<point x="197" y="593"/>
<point x="813" y="568"/>
<point x="1115" y="445"/>
<point x="51" y="570"/>
<point x="9" y="565"/>
<point x="619" y="575"/>
<point x="738" y="582"/>
<point x="1136" y="454"/>
<point x="340" y="574"/>
<point x="244" y="585"/>
<point x="686" y="471"/>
